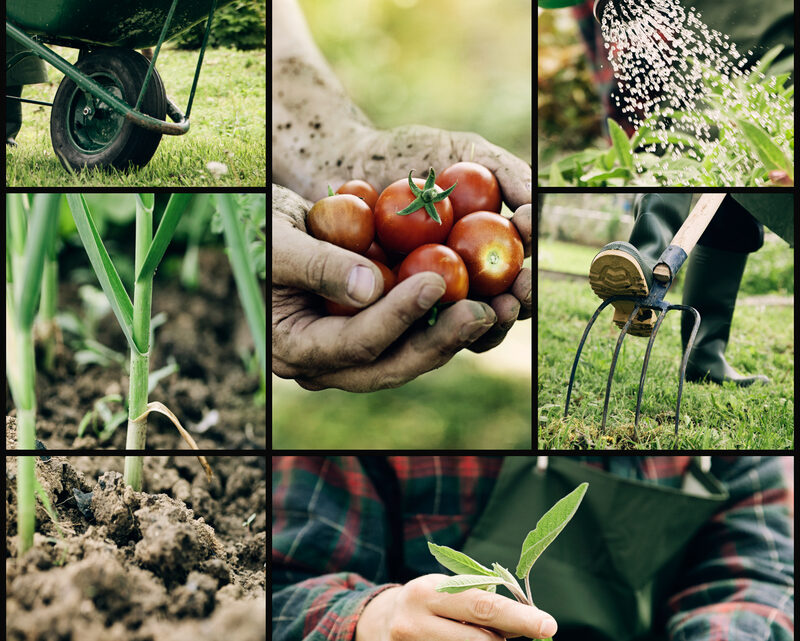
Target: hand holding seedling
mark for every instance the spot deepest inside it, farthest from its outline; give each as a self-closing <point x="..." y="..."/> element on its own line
<point x="471" y="574"/>
<point x="350" y="353"/>
<point x="419" y="612"/>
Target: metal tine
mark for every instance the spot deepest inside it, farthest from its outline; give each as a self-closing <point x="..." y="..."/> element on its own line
<point x="659" y="320"/>
<point x="685" y="360"/>
<point x="602" y="306"/>
<point x="624" y="331"/>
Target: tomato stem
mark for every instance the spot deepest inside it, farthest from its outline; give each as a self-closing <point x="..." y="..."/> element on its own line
<point x="426" y="197"/>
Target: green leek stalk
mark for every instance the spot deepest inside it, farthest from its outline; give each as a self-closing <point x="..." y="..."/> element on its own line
<point x="28" y="239"/>
<point x="140" y="353"/>
<point x="133" y="317"/>
<point x="245" y="277"/>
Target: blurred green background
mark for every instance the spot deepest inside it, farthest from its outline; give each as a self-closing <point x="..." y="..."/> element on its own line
<point x="464" y="65"/>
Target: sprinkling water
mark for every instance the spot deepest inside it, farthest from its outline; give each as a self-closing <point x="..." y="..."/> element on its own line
<point x="679" y="79"/>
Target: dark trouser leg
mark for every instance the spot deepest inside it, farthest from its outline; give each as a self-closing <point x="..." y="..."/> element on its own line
<point x="712" y="282"/>
<point x="13" y="112"/>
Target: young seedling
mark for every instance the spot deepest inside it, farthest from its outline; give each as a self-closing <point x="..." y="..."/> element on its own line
<point x="471" y="574"/>
<point x="29" y="236"/>
<point x="134" y="317"/>
<point x="236" y="226"/>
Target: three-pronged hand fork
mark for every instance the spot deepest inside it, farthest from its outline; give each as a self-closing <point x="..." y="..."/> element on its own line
<point x="664" y="273"/>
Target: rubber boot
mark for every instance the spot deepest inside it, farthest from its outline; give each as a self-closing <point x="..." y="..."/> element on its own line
<point x="13" y="114"/>
<point x="622" y="268"/>
<point x="712" y="282"/>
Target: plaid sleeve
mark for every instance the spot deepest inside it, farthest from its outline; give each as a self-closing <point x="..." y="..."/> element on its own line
<point x="739" y="580"/>
<point x="328" y="547"/>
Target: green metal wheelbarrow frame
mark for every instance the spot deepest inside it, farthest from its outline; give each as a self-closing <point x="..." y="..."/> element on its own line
<point x="180" y="119"/>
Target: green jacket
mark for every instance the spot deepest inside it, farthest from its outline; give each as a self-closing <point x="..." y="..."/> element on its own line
<point x="775" y="211"/>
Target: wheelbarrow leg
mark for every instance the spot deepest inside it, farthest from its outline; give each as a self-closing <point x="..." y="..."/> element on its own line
<point x="622" y="334"/>
<point x="603" y="305"/>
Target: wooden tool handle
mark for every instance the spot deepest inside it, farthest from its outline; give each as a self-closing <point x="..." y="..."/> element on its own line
<point x="692" y="228"/>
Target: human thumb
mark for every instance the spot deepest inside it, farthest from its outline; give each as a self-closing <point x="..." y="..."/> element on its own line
<point x="299" y="260"/>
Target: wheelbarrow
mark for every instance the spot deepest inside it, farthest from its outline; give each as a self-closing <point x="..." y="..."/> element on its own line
<point x="110" y="109"/>
<point x="664" y="272"/>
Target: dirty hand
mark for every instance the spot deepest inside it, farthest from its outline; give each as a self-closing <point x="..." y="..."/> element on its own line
<point x="352" y="353"/>
<point x="382" y="156"/>
<point x="417" y="612"/>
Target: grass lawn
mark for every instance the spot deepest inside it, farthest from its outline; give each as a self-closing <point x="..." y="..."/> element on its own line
<point x="713" y="417"/>
<point x="228" y="125"/>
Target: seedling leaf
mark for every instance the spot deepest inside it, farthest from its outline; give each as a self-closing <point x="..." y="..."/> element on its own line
<point x="620" y="142"/>
<point x="461" y="582"/>
<point x="457" y="562"/>
<point x="548" y="528"/>
<point x="103" y="267"/>
<point x="166" y="229"/>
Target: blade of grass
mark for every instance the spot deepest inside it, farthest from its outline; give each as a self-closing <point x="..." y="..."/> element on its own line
<point x="244" y="274"/>
<point x="103" y="267"/>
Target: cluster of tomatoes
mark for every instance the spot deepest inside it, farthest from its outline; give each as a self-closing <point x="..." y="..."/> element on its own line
<point x="449" y="224"/>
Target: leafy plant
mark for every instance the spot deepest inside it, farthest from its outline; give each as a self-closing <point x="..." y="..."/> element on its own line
<point x="134" y="317"/>
<point x="29" y="236"/>
<point x="241" y="221"/>
<point x="471" y="574"/>
<point x="754" y="135"/>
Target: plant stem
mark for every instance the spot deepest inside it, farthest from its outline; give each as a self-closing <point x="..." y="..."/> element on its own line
<point x="26" y="505"/>
<point x="47" y="309"/>
<point x="528" y="589"/>
<point x="140" y="352"/>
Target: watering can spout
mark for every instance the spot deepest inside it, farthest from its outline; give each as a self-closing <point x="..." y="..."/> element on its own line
<point x="599" y="7"/>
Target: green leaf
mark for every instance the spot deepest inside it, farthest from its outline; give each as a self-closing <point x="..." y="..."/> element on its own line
<point x="166" y="229"/>
<point x="41" y="234"/>
<point x="456" y="561"/>
<point x="245" y="277"/>
<point x="768" y="152"/>
<point x="621" y="144"/>
<point x="461" y="582"/>
<point x="548" y="528"/>
<point x="556" y="179"/>
<point x="103" y="267"/>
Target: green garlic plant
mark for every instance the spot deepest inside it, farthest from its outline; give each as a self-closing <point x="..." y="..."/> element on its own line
<point x="471" y="574"/>
<point x="29" y="236"/>
<point x="134" y="316"/>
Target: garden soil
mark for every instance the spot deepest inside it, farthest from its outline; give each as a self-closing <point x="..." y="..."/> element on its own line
<point x="181" y="560"/>
<point x="212" y="394"/>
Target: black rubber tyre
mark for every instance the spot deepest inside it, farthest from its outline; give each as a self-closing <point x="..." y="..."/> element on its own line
<point x="105" y="138"/>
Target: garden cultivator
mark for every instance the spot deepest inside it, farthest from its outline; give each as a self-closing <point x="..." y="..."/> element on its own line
<point x="664" y="273"/>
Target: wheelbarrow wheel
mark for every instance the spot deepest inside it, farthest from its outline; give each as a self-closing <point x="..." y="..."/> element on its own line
<point x="88" y="133"/>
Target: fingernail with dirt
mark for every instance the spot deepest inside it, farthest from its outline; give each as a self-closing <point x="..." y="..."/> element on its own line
<point x="360" y="284"/>
<point x="429" y="294"/>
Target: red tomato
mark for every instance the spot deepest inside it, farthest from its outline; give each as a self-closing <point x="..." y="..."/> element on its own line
<point x="477" y="188"/>
<point x="404" y="233"/>
<point x="389" y="281"/>
<point x="376" y="253"/>
<point x="442" y="260"/>
<point x="344" y="220"/>
<point x="492" y="251"/>
<point x="362" y="189"/>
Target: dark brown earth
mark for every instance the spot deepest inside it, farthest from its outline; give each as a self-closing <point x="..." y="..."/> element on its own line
<point x="203" y="333"/>
<point x="175" y="562"/>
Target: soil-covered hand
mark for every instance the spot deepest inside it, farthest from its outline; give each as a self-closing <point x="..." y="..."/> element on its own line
<point x="417" y="612"/>
<point x="359" y="353"/>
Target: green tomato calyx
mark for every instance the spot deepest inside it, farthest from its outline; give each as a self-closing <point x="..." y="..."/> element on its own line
<point x="426" y="197"/>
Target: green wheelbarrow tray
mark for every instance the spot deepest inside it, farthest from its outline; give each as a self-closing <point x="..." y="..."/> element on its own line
<point x="133" y="25"/>
<point x="111" y="92"/>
